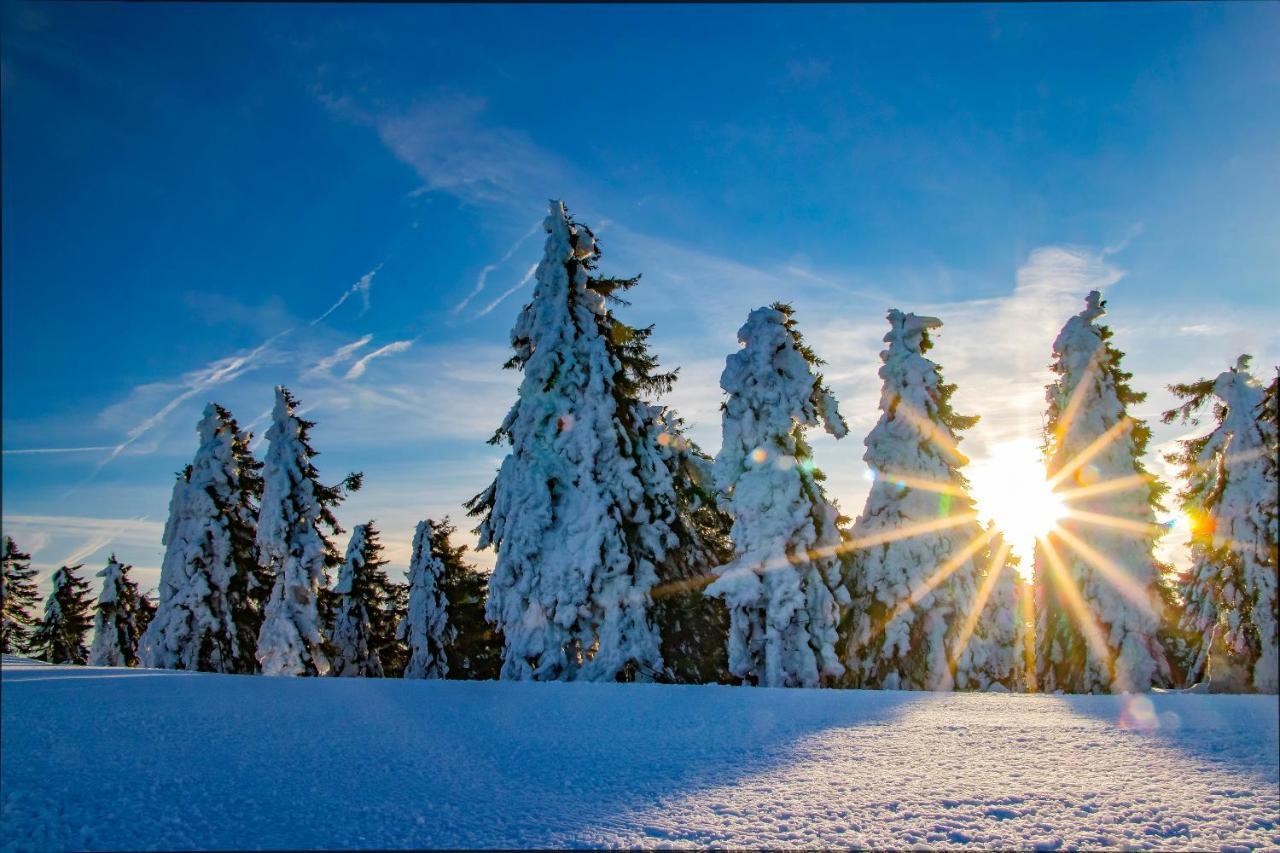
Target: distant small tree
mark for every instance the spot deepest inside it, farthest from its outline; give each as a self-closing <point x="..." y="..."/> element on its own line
<point x="59" y="638"/>
<point x="425" y="628"/>
<point x="17" y="600"/>
<point x="122" y="616"/>
<point x="474" y="647"/>
<point x="362" y="607"/>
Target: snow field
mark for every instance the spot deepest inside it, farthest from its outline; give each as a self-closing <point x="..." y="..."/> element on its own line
<point x="133" y="759"/>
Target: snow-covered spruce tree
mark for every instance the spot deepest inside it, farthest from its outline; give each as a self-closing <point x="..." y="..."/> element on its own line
<point x="1230" y="497"/>
<point x="694" y="626"/>
<point x="784" y="588"/>
<point x="472" y="648"/>
<point x="425" y="628"/>
<point x="120" y="620"/>
<point x="363" y="605"/>
<point x="1097" y="628"/>
<point x="212" y="590"/>
<point x="583" y="512"/>
<point x="921" y="550"/>
<point x="997" y="656"/>
<point x="17" y="600"/>
<point x="294" y="527"/>
<point x="59" y="638"/>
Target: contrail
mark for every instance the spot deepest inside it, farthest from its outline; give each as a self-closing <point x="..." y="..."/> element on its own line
<point x="488" y="268"/>
<point x="510" y="290"/>
<point x="363" y="286"/>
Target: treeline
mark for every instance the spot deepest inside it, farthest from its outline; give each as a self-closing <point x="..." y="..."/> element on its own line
<point x="626" y="553"/>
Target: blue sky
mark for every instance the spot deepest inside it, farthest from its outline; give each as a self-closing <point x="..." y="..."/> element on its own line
<point x="188" y="188"/>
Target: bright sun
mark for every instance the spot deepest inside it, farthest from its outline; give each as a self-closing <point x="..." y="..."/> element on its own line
<point x="1010" y="490"/>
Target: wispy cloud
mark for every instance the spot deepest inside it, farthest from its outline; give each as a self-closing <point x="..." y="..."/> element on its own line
<point x="525" y="279"/>
<point x="218" y="373"/>
<point x="40" y="450"/>
<point x="488" y="268"/>
<point x="362" y="287"/>
<point x="357" y="370"/>
<point x="338" y="356"/>
<point x="455" y="148"/>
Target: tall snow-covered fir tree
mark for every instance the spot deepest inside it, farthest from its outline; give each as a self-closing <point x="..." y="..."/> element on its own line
<point x="60" y="636"/>
<point x="294" y="527"/>
<point x="17" y="599"/>
<point x="363" y="626"/>
<point x="1230" y="497"/>
<point x="425" y="628"/>
<point x="784" y="588"/>
<point x="920" y="550"/>
<point x="212" y="590"/>
<point x="121" y="618"/>
<point x="584" y="512"/>
<point x="1098" y="607"/>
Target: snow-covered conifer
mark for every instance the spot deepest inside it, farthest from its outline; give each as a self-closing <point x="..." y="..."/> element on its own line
<point x="363" y="627"/>
<point x="17" y="599"/>
<point x="425" y="628"/>
<point x="120" y="620"/>
<point x="921" y="552"/>
<point x="997" y="656"/>
<point x="784" y="588"/>
<point x="211" y="589"/>
<point x="1230" y="497"/>
<point x="1098" y="608"/>
<point x="294" y="526"/>
<point x="59" y="638"/>
<point x="583" y="509"/>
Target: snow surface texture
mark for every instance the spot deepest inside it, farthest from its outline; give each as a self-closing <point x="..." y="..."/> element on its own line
<point x="1110" y="568"/>
<point x="785" y="586"/>
<point x="472" y="764"/>
<point x="918" y="599"/>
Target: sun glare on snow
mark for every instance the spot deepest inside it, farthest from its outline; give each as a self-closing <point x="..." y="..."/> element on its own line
<point x="1010" y="490"/>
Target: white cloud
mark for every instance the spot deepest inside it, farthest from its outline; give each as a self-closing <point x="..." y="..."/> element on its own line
<point x="363" y="286"/>
<point x="488" y="268"/>
<point x="525" y="279"/>
<point x="357" y="370"/>
<point x="338" y="356"/>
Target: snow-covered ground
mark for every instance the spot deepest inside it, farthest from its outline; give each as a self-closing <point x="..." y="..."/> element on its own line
<point x="135" y="759"/>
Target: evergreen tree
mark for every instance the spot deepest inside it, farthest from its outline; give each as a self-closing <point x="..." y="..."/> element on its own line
<point x="294" y="527"/>
<point x="474" y="648"/>
<point x="121" y="618"/>
<point x="694" y="627"/>
<point x="921" y="552"/>
<point x="584" y="511"/>
<point x="784" y="588"/>
<point x="212" y="589"/>
<point x="426" y="628"/>
<point x="363" y="629"/>
<point x="997" y="656"/>
<point x="59" y="638"/>
<point x="17" y="600"/>
<point x="1097" y="582"/>
<point x="1230" y="497"/>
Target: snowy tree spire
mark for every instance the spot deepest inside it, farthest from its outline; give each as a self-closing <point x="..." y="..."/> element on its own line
<point x="784" y="588"/>
<point x="293" y="542"/>
<point x="921" y="554"/>
<point x="583" y="508"/>
<point x="1230" y="497"/>
<point x="211" y="587"/>
<point x="363" y="622"/>
<point x="426" y="626"/>
<point x="59" y="638"/>
<point x="17" y="599"/>
<point x="122" y="616"/>
<point x="1097" y="597"/>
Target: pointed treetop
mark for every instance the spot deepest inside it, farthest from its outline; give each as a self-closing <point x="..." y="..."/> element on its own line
<point x="910" y="331"/>
<point x="1095" y="306"/>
